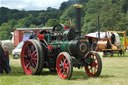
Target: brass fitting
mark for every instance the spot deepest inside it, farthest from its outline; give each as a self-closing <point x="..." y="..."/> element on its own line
<point x="78" y="6"/>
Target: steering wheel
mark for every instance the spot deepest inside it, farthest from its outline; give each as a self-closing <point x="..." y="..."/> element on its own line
<point x="58" y="28"/>
<point x="58" y="31"/>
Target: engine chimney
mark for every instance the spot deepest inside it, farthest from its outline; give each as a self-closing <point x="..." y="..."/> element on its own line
<point x="78" y="18"/>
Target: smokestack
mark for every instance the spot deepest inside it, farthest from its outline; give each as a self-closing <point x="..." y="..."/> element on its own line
<point x="78" y="19"/>
<point x="98" y="27"/>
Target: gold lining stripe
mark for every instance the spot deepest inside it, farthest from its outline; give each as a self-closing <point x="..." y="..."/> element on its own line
<point x="82" y="40"/>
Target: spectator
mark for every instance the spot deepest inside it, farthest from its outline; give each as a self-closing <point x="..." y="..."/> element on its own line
<point x="3" y="65"/>
<point x="113" y="38"/>
<point x="6" y="53"/>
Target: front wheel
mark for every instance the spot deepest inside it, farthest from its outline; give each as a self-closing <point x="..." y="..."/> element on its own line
<point x="64" y="65"/>
<point x="94" y="68"/>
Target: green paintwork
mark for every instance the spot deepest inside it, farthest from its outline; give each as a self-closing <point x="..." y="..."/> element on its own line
<point x="63" y="45"/>
<point x="47" y="37"/>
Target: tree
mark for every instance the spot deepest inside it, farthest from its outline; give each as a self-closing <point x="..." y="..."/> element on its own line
<point x="69" y="13"/>
<point x="4" y="35"/>
<point x="125" y="6"/>
<point x="63" y="6"/>
<point x="52" y="22"/>
<point x="3" y="15"/>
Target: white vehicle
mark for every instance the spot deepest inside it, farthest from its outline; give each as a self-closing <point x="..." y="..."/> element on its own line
<point x="16" y="52"/>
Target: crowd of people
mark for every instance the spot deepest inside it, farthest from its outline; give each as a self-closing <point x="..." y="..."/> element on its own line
<point x="4" y="59"/>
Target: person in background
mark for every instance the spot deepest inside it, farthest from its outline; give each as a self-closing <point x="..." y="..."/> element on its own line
<point x="113" y="38"/>
<point x="6" y="53"/>
<point x="3" y="65"/>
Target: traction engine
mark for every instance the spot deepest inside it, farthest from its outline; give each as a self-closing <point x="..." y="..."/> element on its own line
<point x="60" y="51"/>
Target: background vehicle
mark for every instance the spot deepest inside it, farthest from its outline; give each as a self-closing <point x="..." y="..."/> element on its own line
<point x="105" y="45"/>
<point x="16" y="52"/>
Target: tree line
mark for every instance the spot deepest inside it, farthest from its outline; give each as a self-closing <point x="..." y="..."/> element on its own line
<point x="113" y="16"/>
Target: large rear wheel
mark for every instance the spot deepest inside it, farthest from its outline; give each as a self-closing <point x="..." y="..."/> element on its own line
<point x="94" y="68"/>
<point x="32" y="57"/>
<point x="64" y="65"/>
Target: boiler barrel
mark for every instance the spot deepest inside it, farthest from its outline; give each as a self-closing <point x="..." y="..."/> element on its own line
<point x="76" y="48"/>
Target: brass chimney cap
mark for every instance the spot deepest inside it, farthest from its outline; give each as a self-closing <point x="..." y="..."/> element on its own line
<point x="78" y="6"/>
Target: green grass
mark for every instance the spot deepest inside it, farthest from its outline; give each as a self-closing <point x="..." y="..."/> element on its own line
<point x="114" y="72"/>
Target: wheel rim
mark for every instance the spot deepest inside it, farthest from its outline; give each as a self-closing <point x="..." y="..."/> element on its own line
<point x="29" y="58"/>
<point x="63" y="66"/>
<point x="93" y="68"/>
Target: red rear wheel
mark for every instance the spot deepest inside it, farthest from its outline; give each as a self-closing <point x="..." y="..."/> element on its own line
<point x="64" y="65"/>
<point x="31" y="57"/>
<point x="94" y="69"/>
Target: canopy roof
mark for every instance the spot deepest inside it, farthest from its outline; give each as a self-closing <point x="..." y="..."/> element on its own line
<point x="102" y="35"/>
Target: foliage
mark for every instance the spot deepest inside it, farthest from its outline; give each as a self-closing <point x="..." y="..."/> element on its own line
<point x="110" y="13"/>
<point x="69" y="13"/>
<point x="113" y="16"/>
<point x="52" y="22"/>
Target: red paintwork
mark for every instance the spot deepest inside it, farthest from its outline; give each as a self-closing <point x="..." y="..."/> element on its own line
<point x="29" y="65"/>
<point x="50" y="47"/>
<point x="63" y="60"/>
<point x="94" y="66"/>
<point x="18" y="34"/>
<point x="65" y="27"/>
<point x="41" y="36"/>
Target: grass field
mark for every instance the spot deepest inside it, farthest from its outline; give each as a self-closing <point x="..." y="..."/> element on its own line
<point x="114" y="72"/>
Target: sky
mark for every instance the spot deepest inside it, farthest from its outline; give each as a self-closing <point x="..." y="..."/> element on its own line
<point x="31" y="4"/>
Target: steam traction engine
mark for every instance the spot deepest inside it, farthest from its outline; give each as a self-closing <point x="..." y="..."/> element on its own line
<point x="60" y="51"/>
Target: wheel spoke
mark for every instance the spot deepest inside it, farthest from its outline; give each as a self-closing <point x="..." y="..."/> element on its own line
<point x="34" y="59"/>
<point x="66" y="66"/>
<point x="28" y="48"/>
<point x="34" y="53"/>
<point x="27" y="65"/>
<point x="35" y="62"/>
<point x="65" y="59"/>
<point x="33" y="65"/>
